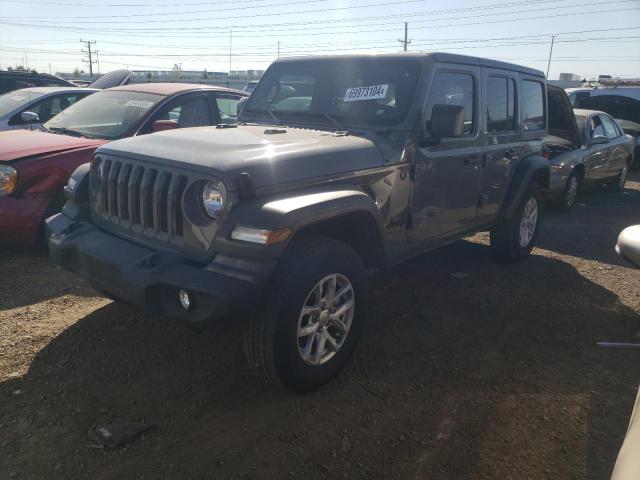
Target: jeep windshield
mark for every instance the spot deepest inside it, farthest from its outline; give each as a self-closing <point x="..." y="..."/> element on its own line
<point x="339" y="93"/>
<point x="109" y="114"/>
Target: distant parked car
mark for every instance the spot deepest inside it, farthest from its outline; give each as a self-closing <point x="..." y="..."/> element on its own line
<point x="35" y="165"/>
<point x="592" y="150"/>
<point x="249" y="87"/>
<point x="29" y="108"/>
<point x="16" y="79"/>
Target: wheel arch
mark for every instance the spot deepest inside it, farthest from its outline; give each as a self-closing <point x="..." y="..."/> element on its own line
<point x="534" y="168"/>
<point x="357" y="229"/>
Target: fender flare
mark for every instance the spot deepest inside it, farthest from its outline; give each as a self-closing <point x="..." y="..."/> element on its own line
<point x="531" y="167"/>
<point x="295" y="211"/>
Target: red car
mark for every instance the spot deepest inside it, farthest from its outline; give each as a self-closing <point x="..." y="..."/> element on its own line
<point x="35" y="165"/>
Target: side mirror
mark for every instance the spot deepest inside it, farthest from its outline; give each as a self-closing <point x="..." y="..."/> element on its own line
<point x="447" y="121"/>
<point x="162" y="125"/>
<point x="29" y="117"/>
<point x="599" y="140"/>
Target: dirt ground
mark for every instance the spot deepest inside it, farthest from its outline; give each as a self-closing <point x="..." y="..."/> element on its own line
<point x="495" y="375"/>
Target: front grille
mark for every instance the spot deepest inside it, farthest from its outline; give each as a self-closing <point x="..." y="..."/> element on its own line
<point x="142" y="198"/>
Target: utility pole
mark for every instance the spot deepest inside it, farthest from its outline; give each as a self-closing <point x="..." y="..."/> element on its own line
<point x="553" y="38"/>
<point x="278" y="48"/>
<point x="91" y="61"/>
<point x="98" y="61"/>
<point x="406" y="40"/>
<point x="230" y="44"/>
<point x="50" y="69"/>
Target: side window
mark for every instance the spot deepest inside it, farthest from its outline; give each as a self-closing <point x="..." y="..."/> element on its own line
<point x="42" y="108"/>
<point x="62" y="102"/>
<point x="500" y="104"/>
<point x="609" y="127"/>
<point x="533" y="105"/>
<point x="449" y="88"/>
<point x="228" y="107"/>
<point x="189" y="111"/>
<point x="48" y="82"/>
<point x="597" y="128"/>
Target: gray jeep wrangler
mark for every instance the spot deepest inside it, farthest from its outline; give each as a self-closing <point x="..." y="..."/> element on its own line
<point x="338" y="166"/>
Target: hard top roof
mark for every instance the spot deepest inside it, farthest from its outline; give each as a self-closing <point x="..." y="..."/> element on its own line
<point x="435" y="56"/>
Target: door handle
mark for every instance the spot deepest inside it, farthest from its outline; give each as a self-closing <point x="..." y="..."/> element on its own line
<point x="470" y="160"/>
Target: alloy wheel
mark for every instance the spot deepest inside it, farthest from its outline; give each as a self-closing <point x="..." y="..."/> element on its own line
<point x="572" y="191"/>
<point x="528" y="222"/>
<point x="325" y="319"/>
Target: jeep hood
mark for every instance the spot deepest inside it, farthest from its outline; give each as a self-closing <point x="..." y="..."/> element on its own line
<point x="270" y="155"/>
<point x="18" y="144"/>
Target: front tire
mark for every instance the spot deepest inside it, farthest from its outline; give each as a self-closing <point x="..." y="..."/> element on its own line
<point x="567" y="200"/>
<point x="309" y="323"/>
<point x="512" y="240"/>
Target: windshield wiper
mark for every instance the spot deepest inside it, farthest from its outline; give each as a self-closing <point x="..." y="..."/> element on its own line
<point x="329" y="117"/>
<point x="68" y="131"/>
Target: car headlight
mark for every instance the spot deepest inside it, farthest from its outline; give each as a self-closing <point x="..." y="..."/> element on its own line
<point x="8" y="179"/>
<point x="214" y="196"/>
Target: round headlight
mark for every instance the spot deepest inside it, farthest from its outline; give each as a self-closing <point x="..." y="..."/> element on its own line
<point x="213" y="198"/>
<point x="8" y="179"/>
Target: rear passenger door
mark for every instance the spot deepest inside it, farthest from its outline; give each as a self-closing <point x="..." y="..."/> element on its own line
<point x="502" y="141"/>
<point x="617" y="154"/>
<point x="596" y="156"/>
<point x="445" y="171"/>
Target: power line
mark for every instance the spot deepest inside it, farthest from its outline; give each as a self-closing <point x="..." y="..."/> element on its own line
<point x="144" y="33"/>
<point x="269" y="26"/>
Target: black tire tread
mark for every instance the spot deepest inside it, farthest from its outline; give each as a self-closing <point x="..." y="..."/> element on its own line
<point x="261" y="325"/>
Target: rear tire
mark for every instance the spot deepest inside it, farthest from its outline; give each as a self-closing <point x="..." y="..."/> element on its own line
<point x="617" y="183"/>
<point x="512" y="240"/>
<point x="301" y="336"/>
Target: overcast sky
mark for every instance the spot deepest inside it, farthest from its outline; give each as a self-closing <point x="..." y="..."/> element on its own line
<point x="593" y="37"/>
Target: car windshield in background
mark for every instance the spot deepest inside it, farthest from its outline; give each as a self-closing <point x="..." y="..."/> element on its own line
<point x="12" y="100"/>
<point x="108" y="114"/>
<point x="376" y="92"/>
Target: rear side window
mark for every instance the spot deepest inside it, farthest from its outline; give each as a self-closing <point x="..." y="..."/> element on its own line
<point x="500" y="104"/>
<point x="449" y="88"/>
<point x="228" y="108"/>
<point x="609" y="127"/>
<point x="533" y="105"/>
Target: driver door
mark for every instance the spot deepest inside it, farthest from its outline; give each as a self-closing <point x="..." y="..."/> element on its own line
<point x="444" y="195"/>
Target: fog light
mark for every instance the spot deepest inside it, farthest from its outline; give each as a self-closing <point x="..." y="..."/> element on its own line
<point x="185" y="299"/>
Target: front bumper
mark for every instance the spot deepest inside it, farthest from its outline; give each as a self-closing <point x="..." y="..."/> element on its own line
<point x="150" y="278"/>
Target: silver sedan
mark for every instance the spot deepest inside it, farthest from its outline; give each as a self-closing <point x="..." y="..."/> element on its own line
<point x="29" y="108"/>
<point x="601" y="154"/>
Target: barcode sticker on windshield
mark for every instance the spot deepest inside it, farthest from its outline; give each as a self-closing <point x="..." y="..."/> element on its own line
<point x="365" y="93"/>
<point x="138" y="103"/>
